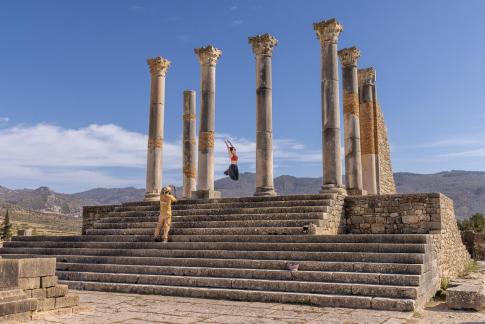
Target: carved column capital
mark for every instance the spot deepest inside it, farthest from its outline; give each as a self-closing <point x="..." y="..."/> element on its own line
<point x="158" y="66"/>
<point x="208" y="55"/>
<point x="367" y="76"/>
<point x="263" y="44"/>
<point x="349" y="56"/>
<point x="328" y="30"/>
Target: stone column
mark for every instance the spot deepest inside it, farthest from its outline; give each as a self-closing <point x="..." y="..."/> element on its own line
<point x="328" y="32"/>
<point x="353" y="163"/>
<point x="367" y="79"/>
<point x="158" y="69"/>
<point x="208" y="57"/>
<point x="189" y="147"/>
<point x="263" y="49"/>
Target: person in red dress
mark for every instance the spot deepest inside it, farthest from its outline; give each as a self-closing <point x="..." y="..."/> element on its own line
<point x="233" y="170"/>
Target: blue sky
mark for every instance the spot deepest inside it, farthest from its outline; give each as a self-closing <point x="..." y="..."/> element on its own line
<point x="74" y="84"/>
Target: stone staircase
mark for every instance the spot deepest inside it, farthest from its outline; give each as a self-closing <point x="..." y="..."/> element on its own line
<point x="240" y="249"/>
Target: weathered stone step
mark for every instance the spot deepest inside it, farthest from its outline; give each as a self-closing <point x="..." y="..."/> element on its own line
<point x="203" y="231"/>
<point x="251" y="295"/>
<point x="225" y="211"/>
<point x="259" y="204"/>
<point x="292" y="256"/>
<point x="240" y="199"/>
<point x="239" y="246"/>
<point x="214" y="224"/>
<point x="129" y="217"/>
<point x="347" y="238"/>
<point x="391" y="268"/>
<point x="250" y="284"/>
<point x="319" y="276"/>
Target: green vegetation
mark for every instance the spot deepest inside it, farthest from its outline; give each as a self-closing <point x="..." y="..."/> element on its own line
<point x="472" y="266"/>
<point x="441" y="294"/>
<point x="475" y="223"/>
<point x="6" y="230"/>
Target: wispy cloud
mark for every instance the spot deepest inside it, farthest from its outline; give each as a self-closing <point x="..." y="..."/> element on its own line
<point x="183" y="38"/>
<point x="137" y="7"/>
<point x="237" y="22"/>
<point x="4" y="121"/>
<point x="234" y="8"/>
<point x="110" y="156"/>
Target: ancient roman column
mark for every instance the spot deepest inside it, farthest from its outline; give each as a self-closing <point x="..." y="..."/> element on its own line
<point x="158" y="70"/>
<point x="263" y="49"/>
<point x="208" y="57"/>
<point x="328" y="32"/>
<point x="353" y="164"/>
<point x="367" y="78"/>
<point x="189" y="147"/>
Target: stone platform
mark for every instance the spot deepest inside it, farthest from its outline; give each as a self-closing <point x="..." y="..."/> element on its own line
<point x="240" y="249"/>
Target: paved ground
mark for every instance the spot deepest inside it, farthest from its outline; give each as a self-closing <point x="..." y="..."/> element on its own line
<point x="130" y="308"/>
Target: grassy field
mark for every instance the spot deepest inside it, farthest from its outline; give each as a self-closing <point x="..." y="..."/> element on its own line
<point x="41" y="223"/>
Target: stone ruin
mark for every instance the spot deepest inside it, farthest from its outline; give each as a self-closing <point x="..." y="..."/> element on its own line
<point x="358" y="244"/>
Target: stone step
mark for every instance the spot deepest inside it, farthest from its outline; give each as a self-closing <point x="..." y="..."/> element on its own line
<point x="130" y="217"/>
<point x="319" y="276"/>
<point x="232" y="246"/>
<point x="258" y="204"/>
<point x="240" y="199"/>
<point x="203" y="231"/>
<point x="291" y="256"/>
<point x="225" y="211"/>
<point x="250" y="284"/>
<point x="346" y="266"/>
<point x="251" y="295"/>
<point x="347" y="238"/>
<point x="213" y="224"/>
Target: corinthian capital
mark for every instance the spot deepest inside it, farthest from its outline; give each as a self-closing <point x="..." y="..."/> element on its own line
<point x="158" y="66"/>
<point x="263" y="44"/>
<point x="367" y="76"/>
<point x="349" y="56"/>
<point x="328" y="30"/>
<point x="208" y="55"/>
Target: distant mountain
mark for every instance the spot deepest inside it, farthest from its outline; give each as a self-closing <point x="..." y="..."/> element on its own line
<point x="466" y="188"/>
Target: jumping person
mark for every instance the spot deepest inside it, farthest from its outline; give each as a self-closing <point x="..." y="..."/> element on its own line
<point x="233" y="171"/>
<point x="165" y="218"/>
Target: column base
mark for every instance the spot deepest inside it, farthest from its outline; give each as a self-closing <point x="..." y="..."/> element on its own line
<point x="206" y="194"/>
<point x="356" y="192"/>
<point x="265" y="192"/>
<point x="332" y="188"/>
<point x="152" y="196"/>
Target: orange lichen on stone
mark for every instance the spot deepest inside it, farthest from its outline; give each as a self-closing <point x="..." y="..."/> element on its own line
<point x="367" y="128"/>
<point x="351" y="103"/>
<point x="206" y="141"/>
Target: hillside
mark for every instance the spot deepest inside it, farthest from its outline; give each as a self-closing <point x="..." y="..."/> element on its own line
<point x="466" y="188"/>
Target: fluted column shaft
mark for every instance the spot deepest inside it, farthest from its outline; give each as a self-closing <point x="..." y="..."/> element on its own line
<point x="367" y="130"/>
<point x="263" y="48"/>
<point x="208" y="57"/>
<point x="328" y="32"/>
<point x="353" y="163"/>
<point x="158" y="69"/>
<point x="189" y="144"/>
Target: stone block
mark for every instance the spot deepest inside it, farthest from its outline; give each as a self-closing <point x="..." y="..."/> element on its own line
<point x="18" y="306"/>
<point x="411" y="219"/>
<point x="9" y="273"/>
<point x="464" y="297"/>
<point x="50" y="281"/>
<point x="46" y="304"/>
<point x="67" y="301"/>
<point x="39" y="293"/>
<point x="37" y="267"/>
<point x="378" y="228"/>
<point x="57" y="291"/>
<point x="29" y="283"/>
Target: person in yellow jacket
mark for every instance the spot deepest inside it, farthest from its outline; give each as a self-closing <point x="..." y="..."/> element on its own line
<point x="165" y="218"/>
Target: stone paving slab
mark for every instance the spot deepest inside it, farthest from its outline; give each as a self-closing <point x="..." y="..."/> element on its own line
<point x="102" y="307"/>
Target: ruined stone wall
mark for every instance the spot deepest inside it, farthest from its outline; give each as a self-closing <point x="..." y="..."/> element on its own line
<point x="427" y="213"/>
<point x="91" y="214"/>
<point x="385" y="178"/>
<point x="334" y="219"/>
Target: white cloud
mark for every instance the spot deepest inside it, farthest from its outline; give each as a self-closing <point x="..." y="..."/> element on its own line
<point x="233" y="8"/>
<point x="110" y="156"/>
<point x="4" y="121"/>
<point x="137" y="7"/>
<point x="183" y="38"/>
<point x="237" y="22"/>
